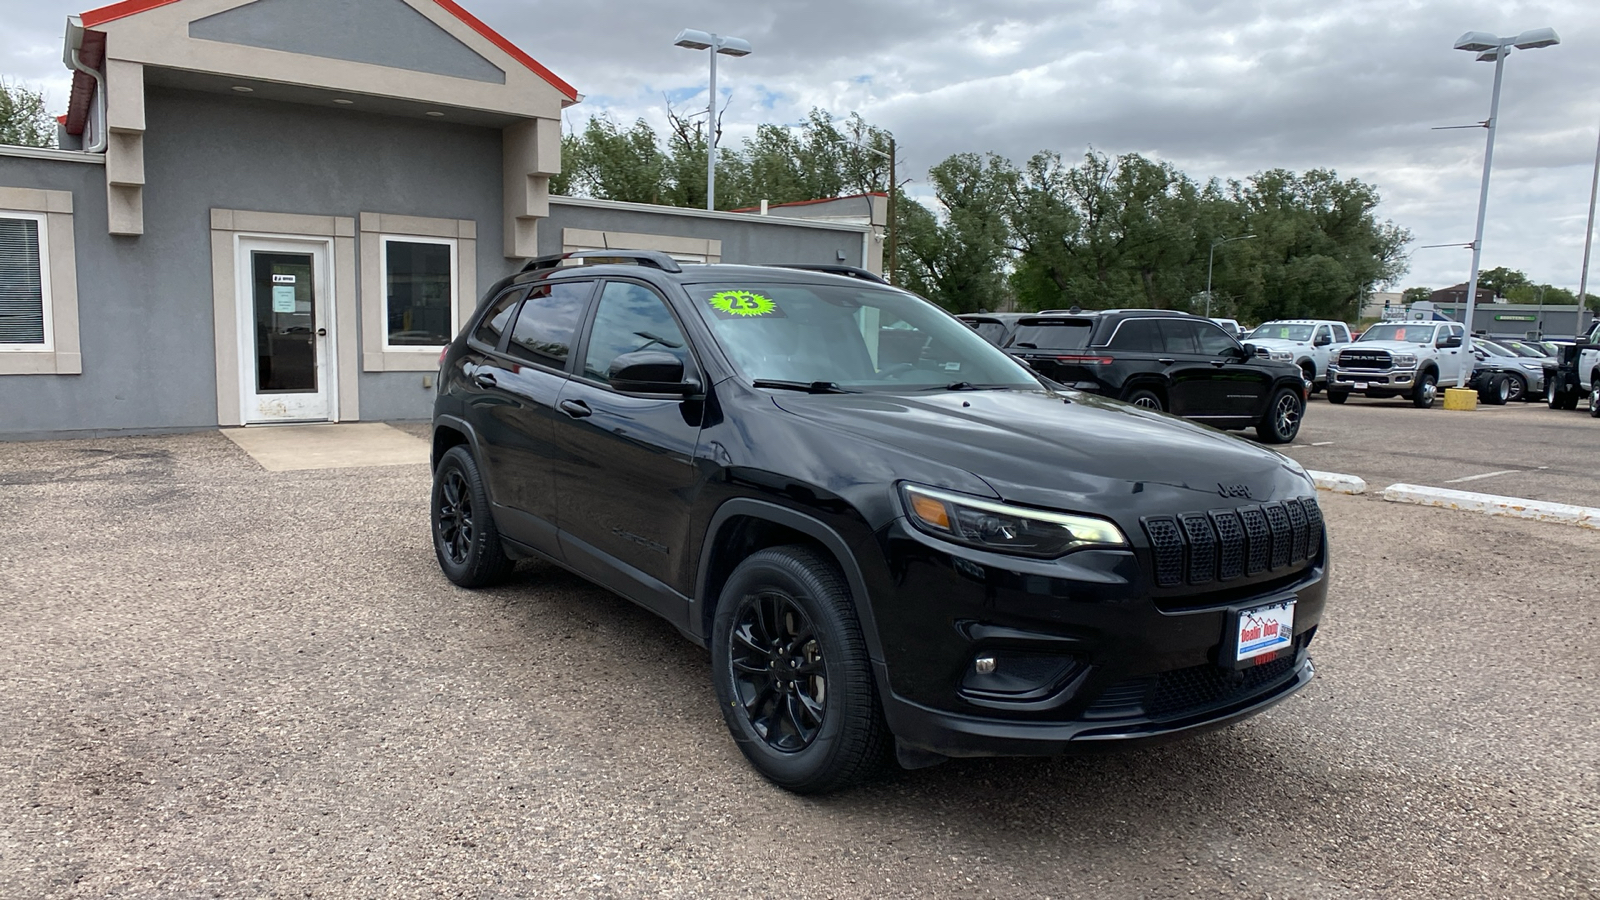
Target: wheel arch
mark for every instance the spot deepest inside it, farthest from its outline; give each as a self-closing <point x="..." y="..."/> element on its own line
<point x="449" y="431"/>
<point x="1145" y="382"/>
<point x="742" y="526"/>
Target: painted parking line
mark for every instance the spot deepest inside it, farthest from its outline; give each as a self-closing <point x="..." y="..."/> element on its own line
<point x="1513" y="507"/>
<point x="1321" y="443"/>
<point x="1484" y="475"/>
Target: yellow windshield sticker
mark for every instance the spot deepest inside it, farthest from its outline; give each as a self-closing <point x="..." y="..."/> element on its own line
<point x="742" y="303"/>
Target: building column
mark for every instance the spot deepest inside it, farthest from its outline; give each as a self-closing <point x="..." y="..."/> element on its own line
<point x="532" y="153"/>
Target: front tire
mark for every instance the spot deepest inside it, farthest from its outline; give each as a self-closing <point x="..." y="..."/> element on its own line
<point x="1282" y="420"/>
<point x="1594" y="396"/>
<point x="1427" y="389"/>
<point x="1337" y="397"/>
<point x="1495" y="390"/>
<point x="792" y="674"/>
<point x="1516" y="387"/>
<point x="465" y="538"/>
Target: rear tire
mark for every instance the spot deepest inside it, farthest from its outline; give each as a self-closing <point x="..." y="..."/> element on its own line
<point x="465" y="538"/>
<point x="1427" y="389"/>
<point x="1594" y="396"/>
<point x="786" y="611"/>
<point x="1337" y="397"/>
<point x="1145" y="398"/>
<point x="1494" y="390"/>
<point x="1281" y="422"/>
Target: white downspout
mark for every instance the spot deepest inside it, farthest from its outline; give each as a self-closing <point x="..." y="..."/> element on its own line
<point x="74" y="45"/>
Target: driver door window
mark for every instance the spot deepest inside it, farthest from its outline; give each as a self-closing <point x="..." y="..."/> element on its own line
<point x="1213" y="341"/>
<point x="631" y="317"/>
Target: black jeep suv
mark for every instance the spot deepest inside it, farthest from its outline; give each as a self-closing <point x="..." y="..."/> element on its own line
<point x="1167" y="361"/>
<point x="892" y="537"/>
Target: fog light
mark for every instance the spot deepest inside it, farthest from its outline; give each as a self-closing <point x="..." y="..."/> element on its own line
<point x="985" y="665"/>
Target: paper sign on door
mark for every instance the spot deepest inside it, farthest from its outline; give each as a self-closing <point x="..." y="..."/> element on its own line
<point x="282" y="298"/>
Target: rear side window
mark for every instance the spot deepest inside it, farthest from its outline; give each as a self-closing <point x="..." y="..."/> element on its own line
<point x="544" y="329"/>
<point x="1050" y="335"/>
<point x="1138" y="336"/>
<point x="497" y="319"/>
<point x="991" y="331"/>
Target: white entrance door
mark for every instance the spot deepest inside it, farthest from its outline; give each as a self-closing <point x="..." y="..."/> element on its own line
<point x="286" y="330"/>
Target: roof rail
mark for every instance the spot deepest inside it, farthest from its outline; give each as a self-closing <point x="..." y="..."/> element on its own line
<point x="836" y="269"/>
<point x="654" y="259"/>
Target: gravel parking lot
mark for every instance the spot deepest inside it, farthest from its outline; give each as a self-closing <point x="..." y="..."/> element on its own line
<point x="220" y="681"/>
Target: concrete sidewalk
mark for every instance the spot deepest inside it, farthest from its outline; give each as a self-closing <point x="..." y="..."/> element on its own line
<point x="346" y="445"/>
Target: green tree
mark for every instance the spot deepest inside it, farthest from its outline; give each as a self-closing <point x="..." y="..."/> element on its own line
<point x="612" y="163"/>
<point x="24" y="121"/>
<point x="960" y="262"/>
<point x="1415" y="294"/>
<point x="1501" y="280"/>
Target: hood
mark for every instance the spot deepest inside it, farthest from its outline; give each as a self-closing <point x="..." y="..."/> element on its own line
<point x="1278" y="343"/>
<point x="1066" y="451"/>
<point x="1391" y="346"/>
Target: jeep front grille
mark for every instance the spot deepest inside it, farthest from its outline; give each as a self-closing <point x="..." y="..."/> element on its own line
<point x="1200" y="548"/>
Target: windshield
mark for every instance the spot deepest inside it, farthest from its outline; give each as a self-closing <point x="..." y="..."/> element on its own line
<point x="1528" y="350"/>
<point x="1408" y="332"/>
<point x="1491" y="348"/>
<point x="1277" y="331"/>
<point x="854" y="337"/>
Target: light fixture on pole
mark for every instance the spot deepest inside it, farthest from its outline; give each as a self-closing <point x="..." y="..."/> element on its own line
<point x="1211" y="258"/>
<point x="1492" y="49"/>
<point x="694" y="39"/>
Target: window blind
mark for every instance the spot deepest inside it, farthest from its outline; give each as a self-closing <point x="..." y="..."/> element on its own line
<point x="21" y="283"/>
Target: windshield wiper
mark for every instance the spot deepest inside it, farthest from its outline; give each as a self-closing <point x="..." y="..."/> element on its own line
<point x="810" y="387"/>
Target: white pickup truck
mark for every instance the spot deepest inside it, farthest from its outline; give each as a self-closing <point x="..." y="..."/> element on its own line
<point x="1576" y="372"/>
<point x="1308" y="343"/>
<point x="1392" y="359"/>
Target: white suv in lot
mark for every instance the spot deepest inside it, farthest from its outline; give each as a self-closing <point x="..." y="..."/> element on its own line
<point x="1308" y="343"/>
<point x="1394" y="359"/>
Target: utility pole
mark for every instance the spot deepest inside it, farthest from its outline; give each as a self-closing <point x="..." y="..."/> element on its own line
<point x="894" y="230"/>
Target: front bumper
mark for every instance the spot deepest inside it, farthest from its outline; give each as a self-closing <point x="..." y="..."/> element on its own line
<point x="1090" y="653"/>
<point x="1374" y="379"/>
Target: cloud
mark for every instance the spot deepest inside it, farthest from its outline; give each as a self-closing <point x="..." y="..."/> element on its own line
<point x="1220" y="88"/>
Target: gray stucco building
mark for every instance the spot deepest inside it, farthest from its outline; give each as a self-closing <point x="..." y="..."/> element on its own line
<point x="280" y="210"/>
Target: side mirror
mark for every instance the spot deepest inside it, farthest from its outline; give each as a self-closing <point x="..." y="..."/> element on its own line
<point x="1248" y="350"/>
<point x="1452" y="341"/>
<point x="650" y="372"/>
<point x="1323" y="340"/>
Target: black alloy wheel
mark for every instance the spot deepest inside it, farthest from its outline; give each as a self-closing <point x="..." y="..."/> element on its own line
<point x="792" y="675"/>
<point x="465" y="538"/>
<point x="1282" y="420"/>
<point x="779" y="675"/>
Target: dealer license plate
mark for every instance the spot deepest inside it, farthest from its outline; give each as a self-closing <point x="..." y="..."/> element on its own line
<point x="1265" y="629"/>
<point x="1361" y="385"/>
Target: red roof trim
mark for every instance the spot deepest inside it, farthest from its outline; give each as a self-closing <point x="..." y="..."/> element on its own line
<point x="127" y="8"/>
<point x="809" y="202"/>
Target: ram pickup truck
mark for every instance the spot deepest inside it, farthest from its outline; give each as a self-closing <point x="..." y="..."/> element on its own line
<point x="1308" y="343"/>
<point x="1393" y="359"/>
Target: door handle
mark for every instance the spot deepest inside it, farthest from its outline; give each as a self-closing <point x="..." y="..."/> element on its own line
<point x="1166" y="360"/>
<point x="575" y="408"/>
<point x="484" y="379"/>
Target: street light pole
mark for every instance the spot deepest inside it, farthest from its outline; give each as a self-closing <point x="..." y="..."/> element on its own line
<point x="1588" y="234"/>
<point x="694" y="39"/>
<point x="1211" y="258"/>
<point x="890" y="227"/>
<point x="1496" y="49"/>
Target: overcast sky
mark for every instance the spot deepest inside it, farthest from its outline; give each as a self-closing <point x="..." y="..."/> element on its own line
<point x="1220" y="88"/>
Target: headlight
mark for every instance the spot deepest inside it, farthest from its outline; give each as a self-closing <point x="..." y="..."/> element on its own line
<point x="1532" y="367"/>
<point x="1404" y="359"/>
<point x="1334" y="357"/>
<point x="988" y="525"/>
<point x="1282" y="356"/>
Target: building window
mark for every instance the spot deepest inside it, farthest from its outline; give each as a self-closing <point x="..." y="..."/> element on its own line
<point x="24" y="282"/>
<point x="38" y="284"/>
<point x="421" y="292"/>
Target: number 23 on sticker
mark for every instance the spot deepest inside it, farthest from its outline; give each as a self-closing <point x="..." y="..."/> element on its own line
<point x="743" y="304"/>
